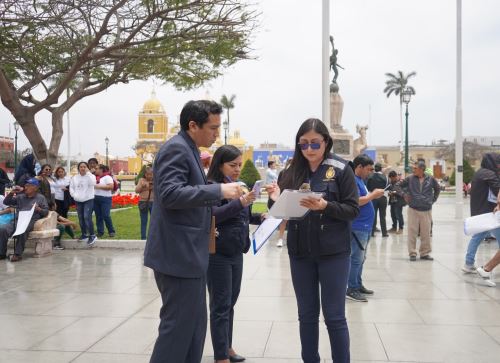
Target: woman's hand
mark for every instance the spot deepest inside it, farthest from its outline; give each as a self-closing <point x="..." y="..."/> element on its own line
<point x="314" y="203"/>
<point x="247" y="199"/>
<point x="273" y="190"/>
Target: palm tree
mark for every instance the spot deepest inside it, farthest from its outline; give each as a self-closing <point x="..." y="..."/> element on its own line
<point x="227" y="103"/>
<point x="396" y="84"/>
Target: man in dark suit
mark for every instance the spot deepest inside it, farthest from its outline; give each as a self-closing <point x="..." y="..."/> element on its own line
<point x="378" y="181"/>
<point x="177" y="244"/>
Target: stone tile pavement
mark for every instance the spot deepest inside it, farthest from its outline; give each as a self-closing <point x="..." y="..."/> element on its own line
<point x="101" y="305"/>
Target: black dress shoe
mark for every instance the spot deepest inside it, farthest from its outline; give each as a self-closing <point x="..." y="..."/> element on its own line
<point x="236" y="358"/>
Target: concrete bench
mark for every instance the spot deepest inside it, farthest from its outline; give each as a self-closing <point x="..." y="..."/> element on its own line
<point x="43" y="233"/>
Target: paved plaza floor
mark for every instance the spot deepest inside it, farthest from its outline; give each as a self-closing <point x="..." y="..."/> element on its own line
<point x="101" y="305"/>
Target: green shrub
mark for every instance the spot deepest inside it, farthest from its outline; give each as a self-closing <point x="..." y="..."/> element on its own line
<point x="249" y="173"/>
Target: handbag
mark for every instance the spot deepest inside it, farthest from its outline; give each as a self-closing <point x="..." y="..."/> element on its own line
<point x="143" y="204"/>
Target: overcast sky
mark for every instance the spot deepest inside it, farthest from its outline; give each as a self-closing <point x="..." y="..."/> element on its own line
<point x="282" y="88"/>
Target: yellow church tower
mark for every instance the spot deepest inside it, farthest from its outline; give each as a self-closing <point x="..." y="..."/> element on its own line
<point x="153" y="121"/>
<point x="153" y="132"/>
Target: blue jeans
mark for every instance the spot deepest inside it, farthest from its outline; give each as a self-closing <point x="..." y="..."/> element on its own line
<point x="358" y="257"/>
<point x="102" y="208"/>
<point x="475" y="241"/>
<point x="84" y="210"/>
<point x="144" y="218"/>
<point x="329" y="272"/>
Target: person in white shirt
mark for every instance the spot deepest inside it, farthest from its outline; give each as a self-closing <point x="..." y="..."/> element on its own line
<point x="271" y="172"/>
<point x="81" y="188"/>
<point x="61" y="191"/>
<point x="102" y="200"/>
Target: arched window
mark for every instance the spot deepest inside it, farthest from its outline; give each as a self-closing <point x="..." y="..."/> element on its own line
<point x="151" y="126"/>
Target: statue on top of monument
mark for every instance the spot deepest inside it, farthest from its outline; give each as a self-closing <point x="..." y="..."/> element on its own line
<point x="333" y="62"/>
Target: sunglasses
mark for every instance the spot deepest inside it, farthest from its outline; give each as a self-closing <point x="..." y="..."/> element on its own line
<point x="313" y="145"/>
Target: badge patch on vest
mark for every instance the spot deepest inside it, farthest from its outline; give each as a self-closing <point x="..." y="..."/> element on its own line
<point x="330" y="173"/>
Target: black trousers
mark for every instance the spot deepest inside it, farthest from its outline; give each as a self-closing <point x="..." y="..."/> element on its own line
<point x="224" y="284"/>
<point x="380" y="205"/>
<point x="183" y="325"/>
<point x="397" y="216"/>
<point x="331" y="274"/>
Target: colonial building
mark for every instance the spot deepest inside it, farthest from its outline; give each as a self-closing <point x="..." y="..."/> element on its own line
<point x="153" y="131"/>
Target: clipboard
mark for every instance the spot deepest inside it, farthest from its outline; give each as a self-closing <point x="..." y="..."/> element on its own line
<point x="288" y="204"/>
<point x="262" y="234"/>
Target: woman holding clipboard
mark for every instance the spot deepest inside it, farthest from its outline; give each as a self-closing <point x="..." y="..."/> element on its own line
<point x="319" y="244"/>
<point x="225" y="268"/>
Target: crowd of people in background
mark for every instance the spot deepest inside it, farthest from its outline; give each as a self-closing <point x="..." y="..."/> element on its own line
<point x="90" y="190"/>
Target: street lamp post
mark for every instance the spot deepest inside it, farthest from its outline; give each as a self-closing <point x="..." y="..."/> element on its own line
<point x="106" y="140"/>
<point x="16" y="128"/>
<point x="406" y="95"/>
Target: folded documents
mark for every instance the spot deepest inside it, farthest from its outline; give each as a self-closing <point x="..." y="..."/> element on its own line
<point x="288" y="204"/>
<point x="481" y="223"/>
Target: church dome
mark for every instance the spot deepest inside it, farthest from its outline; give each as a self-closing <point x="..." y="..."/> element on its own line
<point x="153" y="105"/>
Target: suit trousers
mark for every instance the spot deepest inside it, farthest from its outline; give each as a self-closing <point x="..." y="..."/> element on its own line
<point x="183" y="325"/>
<point x="419" y="221"/>
<point x="224" y="284"/>
<point x="380" y="205"/>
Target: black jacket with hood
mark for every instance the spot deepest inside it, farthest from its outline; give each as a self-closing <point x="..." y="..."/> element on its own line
<point x="485" y="179"/>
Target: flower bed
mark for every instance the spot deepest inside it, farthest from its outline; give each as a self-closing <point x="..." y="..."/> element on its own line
<point x="119" y="201"/>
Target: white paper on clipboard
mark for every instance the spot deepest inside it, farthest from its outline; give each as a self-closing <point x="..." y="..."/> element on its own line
<point x="262" y="234"/>
<point x="23" y="220"/>
<point x="288" y="204"/>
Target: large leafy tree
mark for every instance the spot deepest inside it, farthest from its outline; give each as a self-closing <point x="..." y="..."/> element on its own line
<point x="472" y="151"/>
<point x="395" y="85"/>
<point x="49" y="46"/>
<point x="228" y="104"/>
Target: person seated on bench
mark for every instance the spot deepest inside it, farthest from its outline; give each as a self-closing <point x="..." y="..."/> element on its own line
<point x="23" y="202"/>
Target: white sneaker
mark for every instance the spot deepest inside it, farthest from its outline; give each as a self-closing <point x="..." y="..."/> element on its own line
<point x="489" y="283"/>
<point x="279" y="243"/>
<point x="483" y="273"/>
<point x="469" y="269"/>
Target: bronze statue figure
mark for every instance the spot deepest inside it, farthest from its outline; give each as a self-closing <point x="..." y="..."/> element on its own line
<point x="333" y="62"/>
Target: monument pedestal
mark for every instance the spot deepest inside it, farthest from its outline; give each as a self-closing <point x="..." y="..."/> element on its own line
<point x="342" y="139"/>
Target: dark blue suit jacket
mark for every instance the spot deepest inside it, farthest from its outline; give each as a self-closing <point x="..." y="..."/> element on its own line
<point x="179" y="230"/>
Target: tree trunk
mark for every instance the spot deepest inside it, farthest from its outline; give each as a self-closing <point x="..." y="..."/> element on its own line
<point x="34" y="137"/>
<point x="57" y="134"/>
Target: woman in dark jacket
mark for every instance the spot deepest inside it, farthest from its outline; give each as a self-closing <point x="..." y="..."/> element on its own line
<point x="225" y="267"/>
<point x="25" y="170"/>
<point x="319" y="244"/>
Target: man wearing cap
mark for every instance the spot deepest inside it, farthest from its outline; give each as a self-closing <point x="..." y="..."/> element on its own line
<point x="23" y="202"/>
<point x="421" y="191"/>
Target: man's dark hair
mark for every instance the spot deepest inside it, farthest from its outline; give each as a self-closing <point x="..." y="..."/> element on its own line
<point x="378" y="167"/>
<point x="421" y="164"/>
<point x="198" y="111"/>
<point x="92" y="159"/>
<point x="269" y="163"/>
<point x="393" y="174"/>
<point x="362" y="160"/>
<point x="103" y="167"/>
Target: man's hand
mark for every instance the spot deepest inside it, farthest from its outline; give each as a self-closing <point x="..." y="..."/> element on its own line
<point x="377" y="193"/>
<point x="231" y="190"/>
<point x="38" y="209"/>
<point x="314" y="203"/>
<point x="247" y="199"/>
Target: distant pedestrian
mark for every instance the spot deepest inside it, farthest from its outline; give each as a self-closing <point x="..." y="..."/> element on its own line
<point x="61" y="190"/>
<point x="485" y="189"/>
<point x="81" y="188"/>
<point x="361" y="228"/>
<point x="421" y="191"/>
<point x="103" y="200"/>
<point x="4" y="181"/>
<point x="146" y="197"/>
<point x="378" y="181"/>
<point x="396" y="202"/>
<point x="271" y="173"/>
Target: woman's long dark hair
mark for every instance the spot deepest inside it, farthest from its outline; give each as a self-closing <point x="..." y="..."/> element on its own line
<point x="224" y="154"/>
<point x="26" y="166"/>
<point x="298" y="172"/>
